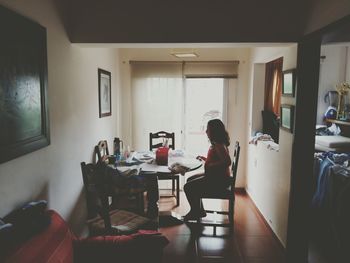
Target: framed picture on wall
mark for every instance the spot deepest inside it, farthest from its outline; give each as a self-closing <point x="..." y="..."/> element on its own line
<point x="104" y="93"/>
<point x="288" y="82"/>
<point x="287" y="117"/>
<point x="24" y="115"/>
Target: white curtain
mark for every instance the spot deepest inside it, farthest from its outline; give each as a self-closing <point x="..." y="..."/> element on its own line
<point x="157" y="95"/>
<point x="157" y="101"/>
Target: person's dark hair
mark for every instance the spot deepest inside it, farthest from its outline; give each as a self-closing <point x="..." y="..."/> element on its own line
<point x="218" y="133"/>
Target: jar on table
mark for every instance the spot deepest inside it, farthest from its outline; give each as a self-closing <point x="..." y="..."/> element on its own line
<point x="162" y="155"/>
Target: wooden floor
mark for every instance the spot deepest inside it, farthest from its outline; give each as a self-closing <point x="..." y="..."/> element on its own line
<point x="252" y="241"/>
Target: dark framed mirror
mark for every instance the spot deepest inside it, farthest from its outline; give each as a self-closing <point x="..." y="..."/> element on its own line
<point x="24" y="120"/>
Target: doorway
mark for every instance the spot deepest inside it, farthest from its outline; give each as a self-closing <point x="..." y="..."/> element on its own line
<point x="329" y="232"/>
<point x="301" y="219"/>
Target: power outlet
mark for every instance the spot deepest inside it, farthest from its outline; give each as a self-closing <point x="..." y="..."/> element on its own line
<point x="255" y="163"/>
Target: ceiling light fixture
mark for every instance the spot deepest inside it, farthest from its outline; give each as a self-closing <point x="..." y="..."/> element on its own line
<point x="185" y="55"/>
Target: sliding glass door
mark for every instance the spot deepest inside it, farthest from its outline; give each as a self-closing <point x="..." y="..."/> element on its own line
<point x="205" y="99"/>
<point x="163" y="100"/>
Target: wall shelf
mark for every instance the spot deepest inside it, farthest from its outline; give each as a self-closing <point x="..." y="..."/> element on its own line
<point x="344" y="126"/>
<point x="346" y="123"/>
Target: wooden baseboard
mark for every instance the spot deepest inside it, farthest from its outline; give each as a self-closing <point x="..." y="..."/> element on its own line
<point x="266" y="223"/>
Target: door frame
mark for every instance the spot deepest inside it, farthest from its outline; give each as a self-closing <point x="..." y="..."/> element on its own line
<point x="308" y="64"/>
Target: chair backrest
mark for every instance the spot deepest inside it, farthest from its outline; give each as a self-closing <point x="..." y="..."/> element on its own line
<point x="235" y="163"/>
<point x="90" y="187"/>
<point x="101" y="150"/>
<point x="96" y="197"/>
<point x="97" y="192"/>
<point x="161" y="135"/>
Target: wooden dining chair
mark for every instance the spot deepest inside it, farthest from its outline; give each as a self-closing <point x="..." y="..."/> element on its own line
<point x="226" y="194"/>
<point x="155" y="140"/>
<point x="102" y="217"/>
<point x="154" y="143"/>
<point x="101" y="153"/>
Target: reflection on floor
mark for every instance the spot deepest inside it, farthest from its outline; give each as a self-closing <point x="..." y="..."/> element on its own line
<point x="252" y="240"/>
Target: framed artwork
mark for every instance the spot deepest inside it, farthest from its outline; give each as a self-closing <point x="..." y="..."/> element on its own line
<point x="24" y="114"/>
<point x="288" y="83"/>
<point x="287" y="117"/>
<point x="104" y="93"/>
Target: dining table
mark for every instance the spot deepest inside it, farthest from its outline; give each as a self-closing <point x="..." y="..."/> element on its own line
<point x="144" y="162"/>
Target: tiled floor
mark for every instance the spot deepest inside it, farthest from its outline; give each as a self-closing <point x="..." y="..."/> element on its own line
<point x="252" y="241"/>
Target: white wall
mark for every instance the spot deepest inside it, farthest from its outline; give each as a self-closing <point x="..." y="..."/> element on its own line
<point x="268" y="171"/>
<point x="238" y="94"/>
<point x="257" y="98"/>
<point x="54" y="171"/>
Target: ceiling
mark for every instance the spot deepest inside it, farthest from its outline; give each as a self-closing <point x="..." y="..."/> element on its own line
<point x="184" y="21"/>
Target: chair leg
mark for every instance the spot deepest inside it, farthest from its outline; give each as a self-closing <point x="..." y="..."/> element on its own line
<point x="173" y="185"/>
<point x="177" y="191"/>
<point x="105" y="213"/>
<point x="141" y="204"/>
<point x="231" y="216"/>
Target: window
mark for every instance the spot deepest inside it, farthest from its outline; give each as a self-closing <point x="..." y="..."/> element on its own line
<point x="157" y="101"/>
<point x="273" y="86"/>
<point x="272" y="98"/>
<point x="158" y="96"/>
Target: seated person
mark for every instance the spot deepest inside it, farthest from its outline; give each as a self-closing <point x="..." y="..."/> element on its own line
<point x="130" y="182"/>
<point x="216" y="170"/>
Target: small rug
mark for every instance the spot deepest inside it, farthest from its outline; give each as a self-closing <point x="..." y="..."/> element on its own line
<point x="123" y="222"/>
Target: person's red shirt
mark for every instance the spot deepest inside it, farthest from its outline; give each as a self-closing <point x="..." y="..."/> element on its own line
<point x="218" y="161"/>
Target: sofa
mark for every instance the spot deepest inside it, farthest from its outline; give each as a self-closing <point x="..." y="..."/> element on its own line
<point x="56" y="243"/>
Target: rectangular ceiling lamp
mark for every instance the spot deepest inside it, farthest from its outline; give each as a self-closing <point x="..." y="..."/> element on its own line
<point x="185" y="55"/>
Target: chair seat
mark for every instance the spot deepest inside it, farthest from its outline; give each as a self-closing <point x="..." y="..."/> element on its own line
<point x="122" y="222"/>
<point x="226" y="194"/>
<point x="225" y="222"/>
<point x="167" y="176"/>
<point x="113" y="190"/>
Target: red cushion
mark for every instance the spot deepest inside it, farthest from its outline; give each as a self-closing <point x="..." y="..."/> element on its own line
<point x="133" y="248"/>
<point x="54" y="244"/>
